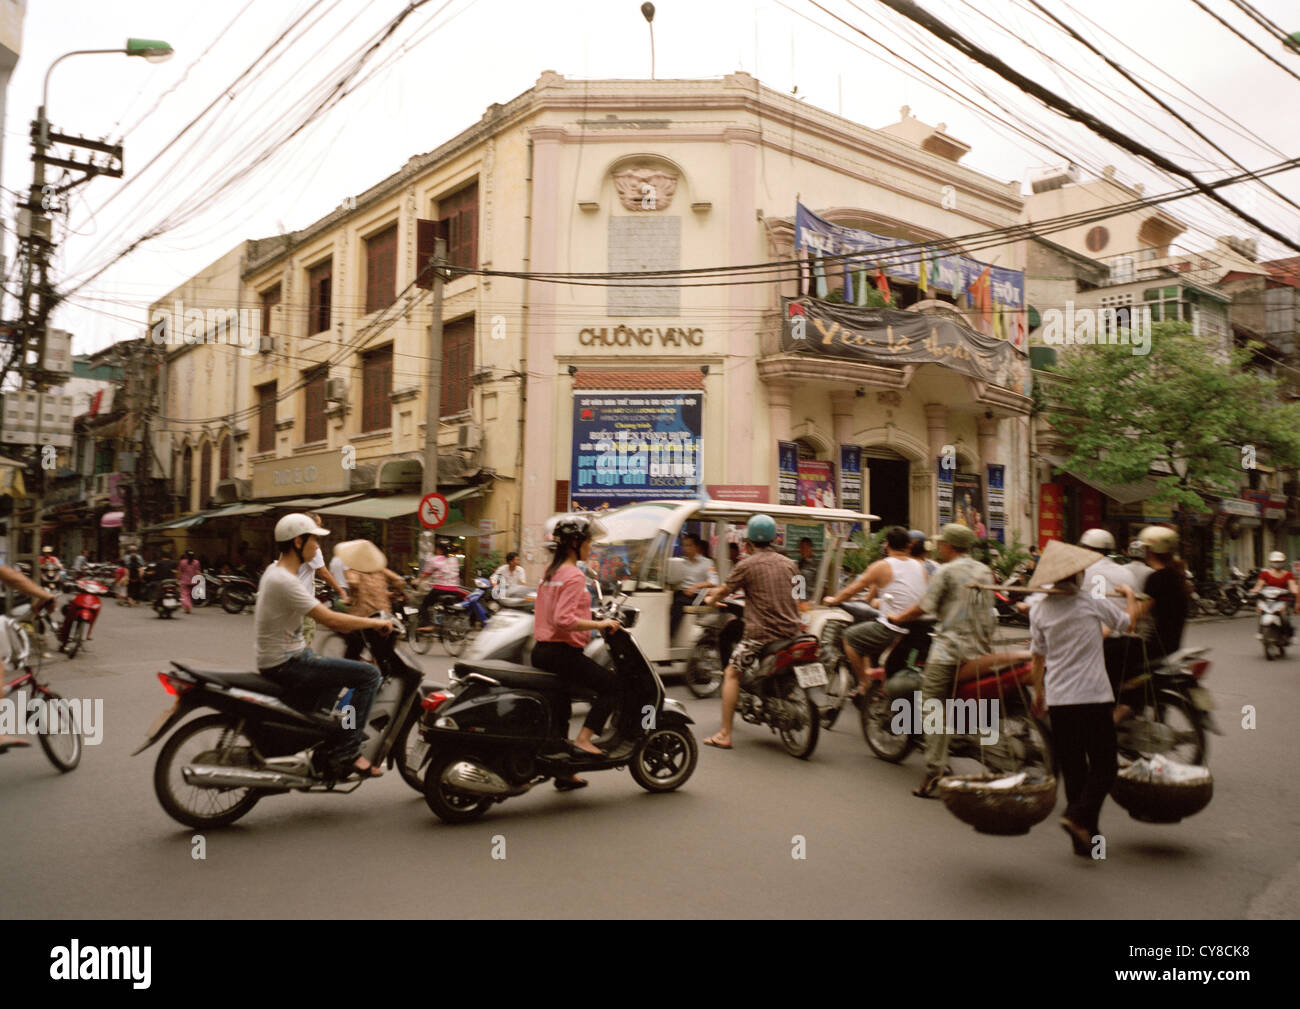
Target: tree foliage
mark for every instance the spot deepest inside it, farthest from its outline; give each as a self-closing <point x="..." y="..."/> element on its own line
<point x="1188" y="406"/>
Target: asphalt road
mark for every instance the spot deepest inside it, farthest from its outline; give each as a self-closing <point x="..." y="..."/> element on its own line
<point x="96" y="844"/>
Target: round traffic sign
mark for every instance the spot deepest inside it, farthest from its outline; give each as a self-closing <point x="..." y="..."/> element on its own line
<point x="433" y="510"/>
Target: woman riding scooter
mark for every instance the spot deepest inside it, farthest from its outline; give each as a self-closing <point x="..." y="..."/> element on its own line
<point x="562" y="620"/>
<point x="1277" y="576"/>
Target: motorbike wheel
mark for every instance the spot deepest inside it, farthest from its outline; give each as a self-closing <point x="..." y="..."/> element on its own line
<point x="420" y="640"/>
<point x="881" y="739"/>
<point x="1191" y="745"/>
<point x="75" y="633"/>
<point x="801" y="742"/>
<point x="1228" y="603"/>
<point x="666" y="758"/>
<point x="201" y="807"/>
<point x="453" y="632"/>
<point x="449" y="805"/>
<point x="842" y="681"/>
<point x="62" y="747"/>
<point x="704" y="671"/>
<point x="233" y="602"/>
<point x="408" y="751"/>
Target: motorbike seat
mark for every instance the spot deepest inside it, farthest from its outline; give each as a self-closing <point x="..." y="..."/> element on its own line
<point x="231" y="678"/>
<point x="994" y="662"/>
<point x="512" y="674"/>
<point x="772" y="647"/>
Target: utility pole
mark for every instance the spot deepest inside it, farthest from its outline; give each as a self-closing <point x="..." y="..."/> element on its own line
<point x="433" y="395"/>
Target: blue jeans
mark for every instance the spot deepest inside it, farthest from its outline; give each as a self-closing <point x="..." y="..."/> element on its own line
<point x="314" y="681"/>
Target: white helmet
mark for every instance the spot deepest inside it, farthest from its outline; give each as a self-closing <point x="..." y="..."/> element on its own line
<point x="297" y="524"/>
<point x="1277" y="558"/>
<point x="1097" y="539"/>
<point x="1160" y="539"/>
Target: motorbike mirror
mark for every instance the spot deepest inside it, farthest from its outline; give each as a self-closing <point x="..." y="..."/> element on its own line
<point x="628" y="616"/>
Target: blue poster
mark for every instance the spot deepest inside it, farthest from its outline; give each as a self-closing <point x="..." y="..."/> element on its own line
<point x="945" y="491"/>
<point x="633" y="446"/>
<point x="787" y="486"/>
<point x="997" y="501"/>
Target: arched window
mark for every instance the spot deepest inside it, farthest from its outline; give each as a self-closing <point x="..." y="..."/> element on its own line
<point x="187" y="477"/>
<point x="205" y="473"/>
<point x="224" y="464"/>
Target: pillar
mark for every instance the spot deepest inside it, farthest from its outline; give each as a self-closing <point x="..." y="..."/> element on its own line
<point x="778" y="408"/>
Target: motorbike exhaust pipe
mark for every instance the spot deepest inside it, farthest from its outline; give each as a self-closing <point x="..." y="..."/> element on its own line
<point x="469" y="777"/>
<point x="213" y="776"/>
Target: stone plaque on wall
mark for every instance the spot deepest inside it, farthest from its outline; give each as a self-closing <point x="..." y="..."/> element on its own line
<point x="647" y="244"/>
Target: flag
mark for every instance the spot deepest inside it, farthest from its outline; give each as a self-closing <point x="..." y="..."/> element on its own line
<point x="882" y="282"/>
<point x="981" y="300"/>
<point x="922" y="284"/>
<point x="819" y="272"/>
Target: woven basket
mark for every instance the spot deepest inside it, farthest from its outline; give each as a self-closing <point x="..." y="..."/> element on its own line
<point x="1161" y="801"/>
<point x="1002" y="811"/>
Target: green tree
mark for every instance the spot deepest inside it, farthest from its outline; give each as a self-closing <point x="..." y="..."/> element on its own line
<point x="1189" y="406"/>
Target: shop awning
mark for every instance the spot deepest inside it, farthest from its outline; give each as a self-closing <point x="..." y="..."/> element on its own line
<point x="198" y="518"/>
<point x="383" y="508"/>
<point x="464" y="529"/>
<point x="316" y="503"/>
<point x="1125" y="493"/>
<point x="241" y="509"/>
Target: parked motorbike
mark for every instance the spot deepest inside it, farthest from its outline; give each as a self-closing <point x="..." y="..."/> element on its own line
<point x="1275" y="630"/>
<point x="168" y="600"/>
<point x="217" y="767"/>
<point x="210" y="594"/>
<point x="497" y="731"/>
<point x="1170" y="710"/>
<point x="237" y="593"/>
<point x="891" y="721"/>
<point x="79" y="614"/>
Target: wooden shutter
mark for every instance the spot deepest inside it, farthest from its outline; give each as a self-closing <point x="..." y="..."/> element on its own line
<point x="427" y="234"/>
<point x="459" y="213"/>
<point x="319" y="281"/>
<point x="457" y="362"/>
<point x="377" y="390"/>
<point x="270" y="299"/>
<point x="313" y="401"/>
<point x="223" y="466"/>
<point x="381" y="270"/>
<point x="266" y="417"/>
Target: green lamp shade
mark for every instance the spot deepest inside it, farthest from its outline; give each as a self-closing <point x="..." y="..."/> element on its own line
<point x="154" y="50"/>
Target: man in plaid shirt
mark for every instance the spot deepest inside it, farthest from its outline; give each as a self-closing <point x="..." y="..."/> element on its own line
<point x="771" y="612"/>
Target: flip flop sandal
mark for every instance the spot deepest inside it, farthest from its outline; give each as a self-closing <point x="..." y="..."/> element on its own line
<point x="564" y="785"/>
<point x="711" y="741"/>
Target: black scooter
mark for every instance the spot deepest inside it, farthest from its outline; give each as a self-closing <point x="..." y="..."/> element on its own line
<point x="216" y="768"/>
<point x="496" y="732"/>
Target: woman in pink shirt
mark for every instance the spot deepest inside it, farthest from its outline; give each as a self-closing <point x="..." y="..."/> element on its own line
<point x="562" y="620"/>
<point x="187" y="571"/>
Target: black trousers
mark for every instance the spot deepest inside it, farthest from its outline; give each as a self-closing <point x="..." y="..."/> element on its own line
<point x="680" y="601"/>
<point x="568" y="663"/>
<point x="1084" y="735"/>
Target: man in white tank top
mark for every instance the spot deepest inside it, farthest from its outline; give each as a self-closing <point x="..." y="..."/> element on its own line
<point x="899" y="576"/>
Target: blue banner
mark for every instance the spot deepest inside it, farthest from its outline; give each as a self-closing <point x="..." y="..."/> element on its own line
<point x="633" y="446"/>
<point x="945" y="271"/>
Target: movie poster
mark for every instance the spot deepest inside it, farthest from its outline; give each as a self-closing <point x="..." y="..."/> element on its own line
<point x="788" y="473"/>
<point x="816" y="484"/>
<point x="968" y="503"/>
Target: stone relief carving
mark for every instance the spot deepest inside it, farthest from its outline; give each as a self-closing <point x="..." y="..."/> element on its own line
<point x="645" y="188"/>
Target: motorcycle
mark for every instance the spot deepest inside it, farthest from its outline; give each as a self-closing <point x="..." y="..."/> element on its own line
<point x="710" y="655"/>
<point x="1173" y="714"/>
<point x="459" y="619"/>
<point x="1275" y="630"/>
<point x="508" y="637"/>
<point x="842" y="681"/>
<point x="168" y="600"/>
<point x="432" y="611"/>
<point x="237" y="593"/>
<point x="217" y="767"/>
<point x="79" y="615"/>
<point x="892" y="716"/>
<point x="497" y="731"/>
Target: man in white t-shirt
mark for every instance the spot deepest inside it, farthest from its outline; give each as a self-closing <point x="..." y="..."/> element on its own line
<point x="307" y="572"/>
<point x="283" y="656"/>
<point x="509" y="575"/>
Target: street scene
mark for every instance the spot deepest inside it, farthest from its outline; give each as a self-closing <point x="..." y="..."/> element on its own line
<point x="783" y="460"/>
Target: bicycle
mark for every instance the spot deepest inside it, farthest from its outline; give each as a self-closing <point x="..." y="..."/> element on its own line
<point x="55" y="718"/>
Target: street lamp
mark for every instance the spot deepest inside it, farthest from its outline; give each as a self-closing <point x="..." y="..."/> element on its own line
<point x="648" y="12"/>
<point x="150" y="49"/>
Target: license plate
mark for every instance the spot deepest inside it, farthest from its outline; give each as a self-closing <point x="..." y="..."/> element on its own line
<point x="161" y="721"/>
<point x="1201" y="699"/>
<point x="811" y="675"/>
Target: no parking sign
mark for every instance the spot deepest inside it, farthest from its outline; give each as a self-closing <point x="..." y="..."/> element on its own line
<point x="433" y="510"/>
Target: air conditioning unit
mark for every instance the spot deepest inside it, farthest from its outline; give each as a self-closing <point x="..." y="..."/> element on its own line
<point x="469" y="436"/>
<point x="268" y="345"/>
<point x="336" y="390"/>
<point x="1044" y="180"/>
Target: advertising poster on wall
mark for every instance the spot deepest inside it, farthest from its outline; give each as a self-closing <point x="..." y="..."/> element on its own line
<point x="997" y="520"/>
<point x="944" y="486"/>
<point x="816" y="484"/>
<point x="851" y="478"/>
<point x="1051" y="513"/>
<point x="968" y="503"/>
<point x="788" y="473"/>
<point x="632" y="446"/>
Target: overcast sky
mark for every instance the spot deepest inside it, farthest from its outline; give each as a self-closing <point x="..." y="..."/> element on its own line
<point x="451" y="58"/>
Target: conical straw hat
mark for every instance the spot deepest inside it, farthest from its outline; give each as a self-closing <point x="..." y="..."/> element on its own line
<point x="361" y="555"/>
<point x="1060" y="561"/>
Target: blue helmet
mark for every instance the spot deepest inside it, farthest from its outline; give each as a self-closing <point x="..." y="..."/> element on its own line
<point x="760" y="529"/>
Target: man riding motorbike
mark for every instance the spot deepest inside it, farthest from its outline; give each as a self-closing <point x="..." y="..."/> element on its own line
<point x="19" y="582"/>
<point x="283" y="655"/>
<point x="898" y="575"/>
<point x="964" y="631"/>
<point x="771" y="612"/>
<point x="1278" y="576"/>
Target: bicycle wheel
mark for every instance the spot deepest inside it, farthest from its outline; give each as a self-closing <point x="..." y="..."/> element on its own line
<point x="60" y="732"/>
<point x="75" y="633"/>
<point x="453" y="631"/>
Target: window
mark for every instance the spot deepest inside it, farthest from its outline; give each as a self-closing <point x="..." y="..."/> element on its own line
<point x="223" y="466"/>
<point x="319" y="281"/>
<point x="270" y="299"/>
<point x="457" y="363"/>
<point x="377" y="390"/>
<point x="459" y="214"/>
<point x="313" y="403"/>
<point x="381" y="269"/>
<point x="205" y="472"/>
<point x="266" y="417"/>
<point x="104" y="458"/>
<point x="187" y="477"/>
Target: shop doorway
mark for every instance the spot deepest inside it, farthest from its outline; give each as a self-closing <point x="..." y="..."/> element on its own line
<point x="889" y="486"/>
